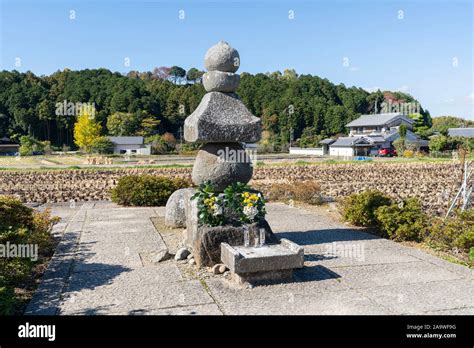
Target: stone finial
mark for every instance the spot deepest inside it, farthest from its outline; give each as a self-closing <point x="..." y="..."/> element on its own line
<point x="222" y="57"/>
<point x="221" y="61"/>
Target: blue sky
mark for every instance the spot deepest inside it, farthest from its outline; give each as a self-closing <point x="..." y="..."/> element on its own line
<point x="427" y="53"/>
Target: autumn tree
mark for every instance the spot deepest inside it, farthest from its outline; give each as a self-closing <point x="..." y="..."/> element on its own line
<point x="161" y="73"/>
<point x="86" y="130"/>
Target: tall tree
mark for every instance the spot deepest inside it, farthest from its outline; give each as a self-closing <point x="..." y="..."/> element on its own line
<point x="177" y="73"/>
<point x="86" y="130"/>
<point x="194" y="75"/>
<point x="122" y="124"/>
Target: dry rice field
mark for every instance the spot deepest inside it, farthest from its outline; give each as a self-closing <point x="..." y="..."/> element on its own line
<point x="434" y="183"/>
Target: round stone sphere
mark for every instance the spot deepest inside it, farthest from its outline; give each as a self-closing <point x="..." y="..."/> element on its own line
<point x="218" y="81"/>
<point x="222" y="57"/>
<point x="222" y="164"/>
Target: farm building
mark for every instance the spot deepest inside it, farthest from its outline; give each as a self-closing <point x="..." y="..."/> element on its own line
<point x="350" y="146"/>
<point x="8" y="147"/>
<point x="461" y="132"/>
<point x="130" y="146"/>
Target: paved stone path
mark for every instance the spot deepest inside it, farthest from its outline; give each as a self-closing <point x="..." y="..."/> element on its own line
<point x="104" y="265"/>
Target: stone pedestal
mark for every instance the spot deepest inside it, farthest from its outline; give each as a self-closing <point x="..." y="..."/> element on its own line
<point x="273" y="262"/>
<point x="205" y="241"/>
<point x="257" y="278"/>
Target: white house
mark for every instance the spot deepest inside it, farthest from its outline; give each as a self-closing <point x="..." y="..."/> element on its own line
<point x="130" y="146"/>
<point x="370" y="133"/>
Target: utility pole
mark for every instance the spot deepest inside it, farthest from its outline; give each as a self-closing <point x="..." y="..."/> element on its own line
<point x="181" y="135"/>
<point x="291" y="135"/>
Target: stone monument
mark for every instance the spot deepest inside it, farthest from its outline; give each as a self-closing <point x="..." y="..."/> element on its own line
<point x="221" y="122"/>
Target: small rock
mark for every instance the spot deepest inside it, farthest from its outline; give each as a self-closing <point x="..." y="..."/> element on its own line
<point x="215" y="269"/>
<point x="182" y="254"/>
<point x="192" y="262"/>
<point x="190" y="256"/>
<point x="175" y="208"/>
<point x="219" y="268"/>
<point x="161" y="255"/>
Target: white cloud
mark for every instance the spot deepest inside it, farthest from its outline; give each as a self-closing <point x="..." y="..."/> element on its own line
<point x="449" y="100"/>
<point x="471" y="97"/>
<point x="354" y="68"/>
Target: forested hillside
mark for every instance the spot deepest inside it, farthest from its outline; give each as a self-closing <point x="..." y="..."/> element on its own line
<point x="155" y="103"/>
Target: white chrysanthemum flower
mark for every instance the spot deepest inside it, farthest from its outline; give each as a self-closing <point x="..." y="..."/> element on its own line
<point x="250" y="212"/>
<point x="217" y="210"/>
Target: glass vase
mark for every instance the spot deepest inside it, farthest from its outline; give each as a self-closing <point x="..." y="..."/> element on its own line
<point x="246" y="236"/>
<point x="261" y="240"/>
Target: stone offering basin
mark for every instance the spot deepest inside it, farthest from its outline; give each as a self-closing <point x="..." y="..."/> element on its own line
<point x="268" y="263"/>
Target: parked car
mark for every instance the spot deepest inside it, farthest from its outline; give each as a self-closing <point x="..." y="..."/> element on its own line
<point x="387" y="152"/>
<point x="9" y="153"/>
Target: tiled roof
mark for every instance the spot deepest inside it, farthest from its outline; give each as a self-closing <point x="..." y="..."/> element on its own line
<point x="327" y="141"/>
<point x="461" y="132"/>
<point x="127" y="140"/>
<point x="349" y="141"/>
<point x="377" y="119"/>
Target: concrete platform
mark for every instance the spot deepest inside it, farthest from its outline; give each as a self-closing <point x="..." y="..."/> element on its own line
<point x="99" y="268"/>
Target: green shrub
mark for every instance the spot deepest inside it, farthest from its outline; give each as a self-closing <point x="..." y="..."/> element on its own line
<point x="14" y="215"/>
<point x="402" y="222"/>
<point x="102" y="145"/>
<point x="359" y="208"/>
<point x="188" y="148"/>
<point x="24" y="225"/>
<point x="21" y="225"/>
<point x="29" y="145"/>
<point x="7" y="300"/>
<point x="146" y="190"/>
<point x="456" y="231"/>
